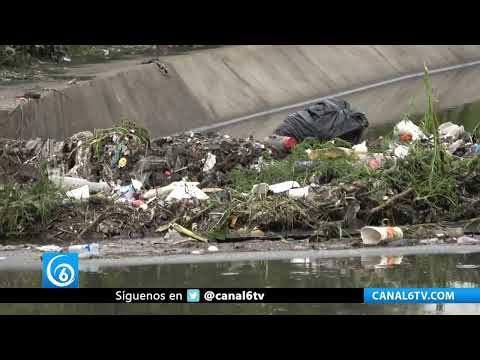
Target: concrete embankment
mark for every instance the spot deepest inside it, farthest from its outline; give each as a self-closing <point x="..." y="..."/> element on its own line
<point x="383" y="104"/>
<point x="212" y="86"/>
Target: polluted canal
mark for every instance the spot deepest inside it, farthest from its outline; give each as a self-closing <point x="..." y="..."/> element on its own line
<point x="118" y="194"/>
<point x="366" y="271"/>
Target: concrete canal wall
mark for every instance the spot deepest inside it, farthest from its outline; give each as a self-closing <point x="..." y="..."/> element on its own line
<point x="212" y="86"/>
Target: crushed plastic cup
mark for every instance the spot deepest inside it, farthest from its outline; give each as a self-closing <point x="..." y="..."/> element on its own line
<point x="260" y="190"/>
<point x="80" y="193"/>
<point x="283" y="187"/>
<point x="373" y="235"/>
<point x="299" y="193"/>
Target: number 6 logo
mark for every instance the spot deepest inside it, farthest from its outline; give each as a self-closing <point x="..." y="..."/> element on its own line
<point x="62" y="274"/>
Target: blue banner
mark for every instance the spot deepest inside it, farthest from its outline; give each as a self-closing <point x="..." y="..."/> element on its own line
<point x="421" y="295"/>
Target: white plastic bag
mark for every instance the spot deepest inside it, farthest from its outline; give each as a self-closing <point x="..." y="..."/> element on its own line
<point x="210" y="162"/>
<point x="401" y="151"/>
<point x="406" y="127"/>
<point x="186" y="190"/>
<point x="450" y="130"/>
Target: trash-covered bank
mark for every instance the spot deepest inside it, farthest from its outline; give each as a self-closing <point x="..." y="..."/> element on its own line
<point x="419" y="184"/>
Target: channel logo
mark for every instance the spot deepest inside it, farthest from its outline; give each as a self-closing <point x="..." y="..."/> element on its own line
<point x="60" y="270"/>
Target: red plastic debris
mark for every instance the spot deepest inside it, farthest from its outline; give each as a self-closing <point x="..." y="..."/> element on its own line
<point x="137" y="203"/>
<point x="374" y="164"/>
<point x="289" y="143"/>
<point x="406" y="137"/>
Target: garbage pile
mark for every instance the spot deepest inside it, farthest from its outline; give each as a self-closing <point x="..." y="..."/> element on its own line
<point x="119" y="182"/>
<point x="109" y="168"/>
<point x="117" y="155"/>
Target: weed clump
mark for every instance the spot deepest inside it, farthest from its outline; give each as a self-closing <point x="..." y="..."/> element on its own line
<point x="123" y="131"/>
<point x="298" y="167"/>
<point x="25" y="208"/>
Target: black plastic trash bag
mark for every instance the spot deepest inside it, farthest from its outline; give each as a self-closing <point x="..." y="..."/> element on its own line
<point x="326" y="120"/>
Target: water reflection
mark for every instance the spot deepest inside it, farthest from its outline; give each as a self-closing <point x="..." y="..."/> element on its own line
<point x="408" y="271"/>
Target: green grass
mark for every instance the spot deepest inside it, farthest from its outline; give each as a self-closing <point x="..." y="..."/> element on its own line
<point x="276" y="171"/>
<point x="440" y="161"/>
<point x="24" y="208"/>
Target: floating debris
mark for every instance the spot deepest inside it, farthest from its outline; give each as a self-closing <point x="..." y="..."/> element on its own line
<point x="465" y="266"/>
<point x="373" y="235"/>
<point x="300" y="261"/>
<point x="389" y="261"/>
<point x="49" y="248"/>
<point x="467" y="240"/>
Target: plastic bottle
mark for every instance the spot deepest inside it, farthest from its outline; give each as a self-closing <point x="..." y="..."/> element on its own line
<point x="86" y="250"/>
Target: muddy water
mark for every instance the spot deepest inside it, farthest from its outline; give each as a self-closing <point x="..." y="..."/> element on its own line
<point x="413" y="271"/>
